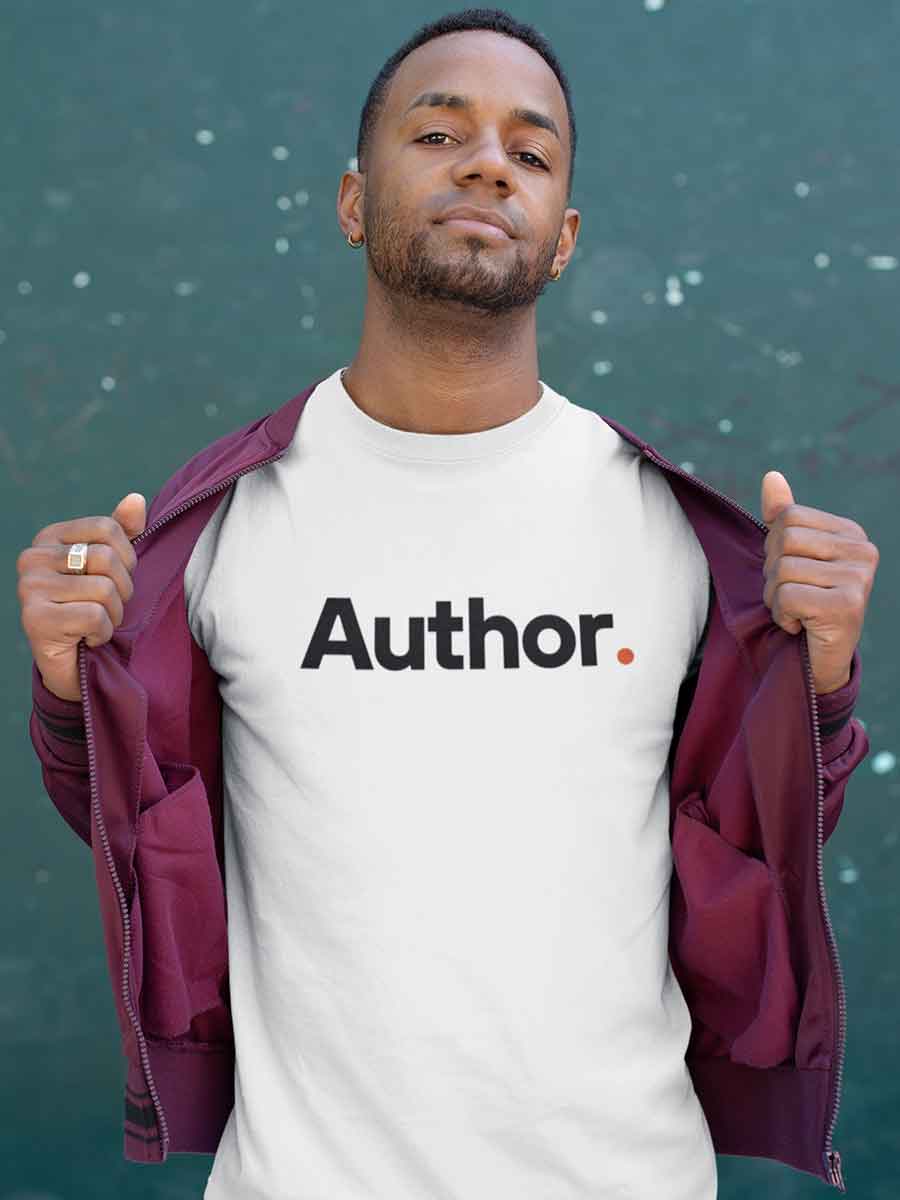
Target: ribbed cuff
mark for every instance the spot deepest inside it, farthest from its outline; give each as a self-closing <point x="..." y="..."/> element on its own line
<point x="836" y="708"/>
<point x="63" y="719"/>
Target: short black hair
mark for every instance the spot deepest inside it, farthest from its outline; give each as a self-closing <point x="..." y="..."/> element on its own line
<point x="494" y="19"/>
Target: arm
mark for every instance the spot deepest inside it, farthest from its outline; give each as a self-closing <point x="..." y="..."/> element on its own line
<point x="58" y="734"/>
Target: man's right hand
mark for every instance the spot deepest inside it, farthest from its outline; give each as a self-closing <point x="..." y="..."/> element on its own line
<point x="60" y="607"/>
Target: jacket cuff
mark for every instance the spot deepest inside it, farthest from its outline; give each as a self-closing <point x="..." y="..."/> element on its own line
<point x="62" y="719"/>
<point x="835" y="711"/>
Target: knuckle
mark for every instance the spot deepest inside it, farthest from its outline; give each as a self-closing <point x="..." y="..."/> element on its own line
<point x="26" y="591"/>
<point x="25" y="616"/>
<point x="42" y="535"/>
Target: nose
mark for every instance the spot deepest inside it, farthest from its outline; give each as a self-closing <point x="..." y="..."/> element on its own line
<point x="487" y="158"/>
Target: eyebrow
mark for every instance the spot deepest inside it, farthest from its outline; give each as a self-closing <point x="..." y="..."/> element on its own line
<point x="448" y="100"/>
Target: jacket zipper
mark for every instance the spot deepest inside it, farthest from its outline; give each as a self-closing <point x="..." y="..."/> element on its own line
<point x="830" y="1157"/>
<point x="98" y="814"/>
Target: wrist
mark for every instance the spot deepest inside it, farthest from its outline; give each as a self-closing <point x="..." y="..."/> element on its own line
<point x="833" y="687"/>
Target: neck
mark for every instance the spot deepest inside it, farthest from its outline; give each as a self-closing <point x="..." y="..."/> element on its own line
<point x="430" y="372"/>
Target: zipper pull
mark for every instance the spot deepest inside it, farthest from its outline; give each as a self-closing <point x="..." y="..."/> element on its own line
<point x="834" y="1169"/>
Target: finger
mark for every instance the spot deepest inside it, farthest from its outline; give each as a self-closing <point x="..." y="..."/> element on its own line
<point x="113" y="588"/>
<point x="93" y="620"/>
<point x="101" y="559"/>
<point x="808" y="602"/>
<point x="89" y="529"/>
<point x="49" y="562"/>
<point x="820" y="544"/>
<point x="809" y="571"/>
<point x="819" y="518"/>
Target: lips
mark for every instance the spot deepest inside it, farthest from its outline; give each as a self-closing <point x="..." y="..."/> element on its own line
<point x="466" y="212"/>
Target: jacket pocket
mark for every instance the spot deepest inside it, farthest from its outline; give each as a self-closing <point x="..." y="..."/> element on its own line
<point x="729" y="943"/>
<point x="180" y="943"/>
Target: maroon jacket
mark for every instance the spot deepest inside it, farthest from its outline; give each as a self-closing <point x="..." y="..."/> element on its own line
<point x="758" y="768"/>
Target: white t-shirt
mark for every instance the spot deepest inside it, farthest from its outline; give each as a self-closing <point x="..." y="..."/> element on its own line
<point x="449" y="666"/>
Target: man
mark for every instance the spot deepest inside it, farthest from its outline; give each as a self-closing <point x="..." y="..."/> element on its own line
<point x="402" y="683"/>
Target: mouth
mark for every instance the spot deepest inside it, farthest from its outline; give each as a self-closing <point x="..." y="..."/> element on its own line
<point x="484" y="220"/>
<point x="492" y="233"/>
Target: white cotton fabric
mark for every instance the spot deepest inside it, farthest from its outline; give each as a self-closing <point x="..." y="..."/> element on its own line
<point x="448" y="884"/>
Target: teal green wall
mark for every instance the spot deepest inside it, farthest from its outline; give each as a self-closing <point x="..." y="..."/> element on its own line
<point x="747" y="151"/>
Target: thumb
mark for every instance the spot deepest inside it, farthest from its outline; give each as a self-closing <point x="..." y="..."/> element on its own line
<point x="775" y="495"/>
<point x="131" y="513"/>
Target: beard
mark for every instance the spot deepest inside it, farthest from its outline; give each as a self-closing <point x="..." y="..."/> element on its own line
<point x="464" y="272"/>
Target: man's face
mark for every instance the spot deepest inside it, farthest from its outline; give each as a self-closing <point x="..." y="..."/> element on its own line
<point x="426" y="159"/>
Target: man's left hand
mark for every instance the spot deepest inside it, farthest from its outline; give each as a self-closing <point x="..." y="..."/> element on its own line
<point x="819" y="571"/>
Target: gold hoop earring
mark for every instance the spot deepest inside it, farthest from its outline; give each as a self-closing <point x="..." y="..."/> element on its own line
<point x="557" y="275"/>
<point x="350" y="241"/>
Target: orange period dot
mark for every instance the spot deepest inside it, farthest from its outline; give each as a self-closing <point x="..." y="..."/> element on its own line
<point x="625" y="655"/>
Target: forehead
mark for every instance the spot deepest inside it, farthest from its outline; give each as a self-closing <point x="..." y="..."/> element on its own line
<point x="495" y="70"/>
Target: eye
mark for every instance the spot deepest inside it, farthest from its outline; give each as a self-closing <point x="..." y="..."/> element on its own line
<point x="439" y="133"/>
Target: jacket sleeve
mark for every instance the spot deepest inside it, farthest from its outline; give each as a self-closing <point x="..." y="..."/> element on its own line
<point x="844" y="742"/>
<point x="59" y="737"/>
